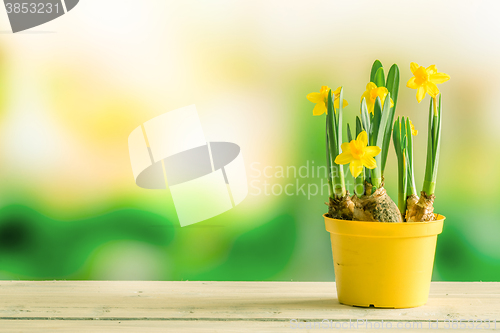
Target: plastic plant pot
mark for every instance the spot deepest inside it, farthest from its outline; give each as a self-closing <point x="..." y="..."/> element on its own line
<point x="383" y="265"/>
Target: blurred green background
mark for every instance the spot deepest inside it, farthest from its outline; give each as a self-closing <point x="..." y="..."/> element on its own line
<point x="72" y="90"/>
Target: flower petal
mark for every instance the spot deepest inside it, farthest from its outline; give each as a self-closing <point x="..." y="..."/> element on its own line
<point x="420" y="93"/>
<point x="439" y="78"/>
<point x="363" y="138"/>
<point x="315" y="97"/>
<point x="324" y="90"/>
<point x="336" y="103"/>
<point x="411" y="83"/>
<point x="413" y="67"/>
<point x="344" y="158"/>
<point x="346" y="147"/>
<point x="366" y="96"/>
<point x="369" y="162"/>
<point x="319" y="109"/>
<point x="356" y="168"/>
<point x="431" y="69"/>
<point x="432" y="89"/>
<point x="372" y="151"/>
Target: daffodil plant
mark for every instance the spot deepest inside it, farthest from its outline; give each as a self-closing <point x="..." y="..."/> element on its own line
<point x="367" y="152"/>
<point x="425" y="81"/>
<point x="332" y="104"/>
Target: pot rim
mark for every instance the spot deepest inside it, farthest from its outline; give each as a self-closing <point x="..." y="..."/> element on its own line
<point x="384" y="229"/>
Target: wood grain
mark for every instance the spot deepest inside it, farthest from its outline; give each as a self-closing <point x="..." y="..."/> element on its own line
<point x="217" y="306"/>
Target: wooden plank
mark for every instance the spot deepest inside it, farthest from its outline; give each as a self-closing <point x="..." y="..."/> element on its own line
<point x="48" y="326"/>
<point x="218" y="306"/>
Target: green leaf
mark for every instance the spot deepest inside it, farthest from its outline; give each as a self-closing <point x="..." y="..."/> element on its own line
<point x="339" y="119"/>
<point x="384" y="120"/>
<point x="333" y="126"/>
<point x="409" y="158"/>
<point x="429" y="161"/>
<point x="349" y="134"/>
<point x="332" y="144"/>
<point x="376" y="65"/>
<point x="435" y="129"/>
<point x="359" y="127"/>
<point x="387" y="139"/>
<point x="328" y="160"/>
<point x="384" y="133"/>
<point x="365" y="118"/>
<point x="403" y="139"/>
<point x="377" y="116"/>
<point x="378" y="130"/>
<point x="330" y="109"/>
<point x="437" y="146"/>
<point x="387" y="136"/>
<point x="396" y="138"/>
<point x="409" y="147"/>
<point x="405" y="182"/>
<point x="393" y="83"/>
<point x="403" y="132"/>
<point x="379" y="78"/>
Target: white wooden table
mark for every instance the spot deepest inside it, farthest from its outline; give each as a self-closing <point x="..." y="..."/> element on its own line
<point x="77" y="306"/>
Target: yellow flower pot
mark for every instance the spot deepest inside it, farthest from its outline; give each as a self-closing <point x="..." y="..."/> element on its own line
<point x="385" y="265"/>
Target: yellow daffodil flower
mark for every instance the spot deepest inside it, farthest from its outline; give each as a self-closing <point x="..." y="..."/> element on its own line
<point x="371" y="94"/>
<point x="425" y="80"/>
<point x="321" y="100"/>
<point x="414" y="132"/>
<point x="358" y="154"/>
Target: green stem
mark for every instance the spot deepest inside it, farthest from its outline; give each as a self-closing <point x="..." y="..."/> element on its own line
<point x="433" y="147"/>
<point x="368" y="177"/>
<point x="412" y="189"/>
<point x="329" y="162"/>
<point x="402" y="201"/>
<point x="403" y="182"/>
<point x="435" y="126"/>
<point x="338" y="181"/>
<point x="359" y="184"/>
<point x="376" y="176"/>
<point x="429" y="187"/>
<point x="429" y="161"/>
